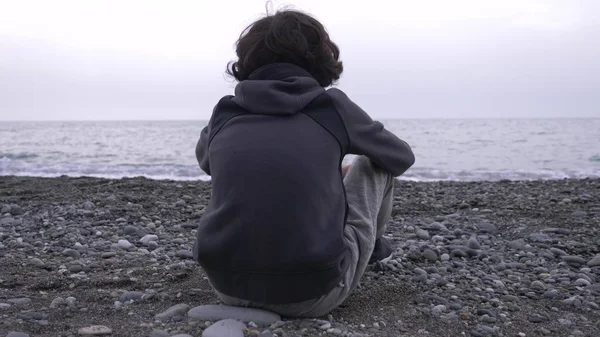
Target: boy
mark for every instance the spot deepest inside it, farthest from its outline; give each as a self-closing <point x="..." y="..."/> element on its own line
<point x="287" y="228"/>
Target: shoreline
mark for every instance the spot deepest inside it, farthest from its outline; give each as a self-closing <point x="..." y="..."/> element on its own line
<point x="208" y="180"/>
<point x="475" y="258"/>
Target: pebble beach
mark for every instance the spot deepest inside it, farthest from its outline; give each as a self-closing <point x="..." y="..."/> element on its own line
<point x="101" y="257"/>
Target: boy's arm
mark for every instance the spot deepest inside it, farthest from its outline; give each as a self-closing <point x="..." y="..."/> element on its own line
<point x="202" y="149"/>
<point x="371" y="139"/>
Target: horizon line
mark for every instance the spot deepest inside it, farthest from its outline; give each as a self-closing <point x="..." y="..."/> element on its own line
<point x="204" y="120"/>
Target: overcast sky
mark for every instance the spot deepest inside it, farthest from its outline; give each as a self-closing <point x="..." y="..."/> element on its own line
<point x="146" y="59"/>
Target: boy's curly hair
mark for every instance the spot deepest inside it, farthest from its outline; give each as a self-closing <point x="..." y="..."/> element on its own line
<point x="287" y="36"/>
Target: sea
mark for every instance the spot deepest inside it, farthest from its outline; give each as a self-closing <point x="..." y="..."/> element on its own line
<point x="449" y="149"/>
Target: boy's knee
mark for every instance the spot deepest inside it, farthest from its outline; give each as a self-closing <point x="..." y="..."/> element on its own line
<point x="366" y="165"/>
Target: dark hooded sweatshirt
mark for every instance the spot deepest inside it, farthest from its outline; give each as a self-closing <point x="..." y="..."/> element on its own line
<point x="273" y="230"/>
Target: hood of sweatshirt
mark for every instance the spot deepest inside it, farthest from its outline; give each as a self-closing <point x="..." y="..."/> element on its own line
<point x="277" y="89"/>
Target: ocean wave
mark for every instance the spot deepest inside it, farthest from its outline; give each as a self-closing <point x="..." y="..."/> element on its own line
<point x="193" y="172"/>
<point x="595" y="157"/>
<point x="17" y="155"/>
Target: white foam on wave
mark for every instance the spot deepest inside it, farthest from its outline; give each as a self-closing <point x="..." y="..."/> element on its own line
<point x="179" y="172"/>
<point x="24" y="165"/>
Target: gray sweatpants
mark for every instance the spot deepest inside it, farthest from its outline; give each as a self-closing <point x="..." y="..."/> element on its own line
<point x="369" y="191"/>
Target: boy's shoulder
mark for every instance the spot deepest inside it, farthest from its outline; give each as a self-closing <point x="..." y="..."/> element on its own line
<point x="336" y="93"/>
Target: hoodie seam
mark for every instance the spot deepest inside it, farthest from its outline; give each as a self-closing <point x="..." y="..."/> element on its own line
<point x="335" y="107"/>
<point x="214" y="134"/>
<point x="299" y="104"/>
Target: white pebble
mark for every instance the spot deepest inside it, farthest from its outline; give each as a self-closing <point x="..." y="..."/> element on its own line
<point x="95" y="330"/>
<point x="147" y="238"/>
<point x="325" y="326"/>
<point x="124" y="244"/>
<point x="581" y="282"/>
<point x="438" y="309"/>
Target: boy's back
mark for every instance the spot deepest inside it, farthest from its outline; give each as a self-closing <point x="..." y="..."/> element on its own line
<point x="275" y="231"/>
<point x="276" y="215"/>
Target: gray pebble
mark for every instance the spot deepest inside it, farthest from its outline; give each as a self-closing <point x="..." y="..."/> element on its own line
<point x="130" y="230"/>
<point x="419" y="271"/>
<point x="71" y="253"/>
<point x="436" y="226"/>
<point x="185" y="254"/>
<point x="333" y="331"/>
<point x="152" y="245"/>
<point x="71" y="301"/>
<point x="158" y="333"/>
<point x="420" y="278"/>
<point x="538" y="285"/>
<point x="325" y="326"/>
<point x="518" y="244"/>
<point x="95" y="330"/>
<point x="594" y="262"/>
<point x="573" y="300"/>
<point x="131" y="295"/>
<point x="581" y="282"/>
<point x="510" y="298"/>
<point x="430" y="255"/>
<point x="563" y="231"/>
<point x="37" y="262"/>
<point x="566" y="322"/>
<point x="20" y="302"/>
<point x="76" y="268"/>
<point x="5" y="306"/>
<point x="486" y="228"/>
<point x="438" y="309"/>
<point x="58" y="302"/>
<point x="225" y="328"/>
<point x="176" y="310"/>
<point x="458" y="253"/>
<point x="455" y="306"/>
<point x="579" y="214"/>
<point x="108" y="255"/>
<point x="537" y="318"/>
<point x="557" y="252"/>
<point x="218" y="312"/>
<point x="88" y="205"/>
<point x="422" y="234"/>
<point x="437" y="238"/>
<point x="517" y="265"/>
<point x="500" y="266"/>
<point x="445" y="257"/>
<point x="275" y="325"/>
<point x="539" y="237"/>
<point x="573" y="259"/>
<point x="484" y="311"/>
<point x="17" y="334"/>
<point x="552" y="293"/>
<point x="32" y="315"/>
<point x="473" y="243"/>
<point x="488" y="330"/>
<point x="471" y="252"/>
<point x="441" y="282"/>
